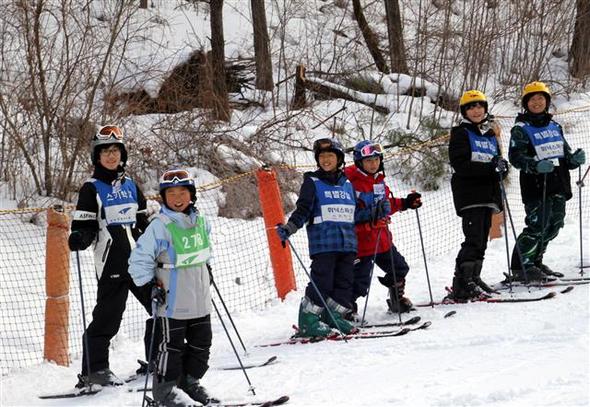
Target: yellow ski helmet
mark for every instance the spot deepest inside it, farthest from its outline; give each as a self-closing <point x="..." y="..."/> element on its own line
<point x="471" y="97"/>
<point x="535" y="87"/>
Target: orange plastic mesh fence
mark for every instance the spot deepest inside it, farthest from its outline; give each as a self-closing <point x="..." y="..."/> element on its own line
<point x="241" y="263"/>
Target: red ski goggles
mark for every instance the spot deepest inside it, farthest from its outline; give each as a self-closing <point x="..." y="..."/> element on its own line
<point x="108" y="132"/>
<point x="371" y="149"/>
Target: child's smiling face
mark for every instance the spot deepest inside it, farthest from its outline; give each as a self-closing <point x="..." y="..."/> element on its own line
<point x="328" y="161"/>
<point x="178" y="198"/>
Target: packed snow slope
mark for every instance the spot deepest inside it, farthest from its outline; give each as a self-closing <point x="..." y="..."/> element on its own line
<point x="529" y="354"/>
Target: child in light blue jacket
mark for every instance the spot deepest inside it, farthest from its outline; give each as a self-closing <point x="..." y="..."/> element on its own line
<point x="172" y="256"/>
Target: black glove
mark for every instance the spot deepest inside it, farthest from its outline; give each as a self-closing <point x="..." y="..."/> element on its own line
<point x="284" y="231"/>
<point x="413" y="200"/>
<point x="500" y="165"/>
<point x="381" y="209"/>
<point x="80" y="240"/>
<point x="158" y="294"/>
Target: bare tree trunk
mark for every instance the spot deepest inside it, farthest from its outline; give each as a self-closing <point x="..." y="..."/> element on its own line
<point x="369" y="36"/>
<point x="143" y="3"/>
<point x="580" y="50"/>
<point x="397" y="50"/>
<point x="298" y="101"/>
<point x="261" y="47"/>
<point x="221" y="109"/>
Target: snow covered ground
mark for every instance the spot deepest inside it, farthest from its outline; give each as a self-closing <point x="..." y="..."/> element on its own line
<point x="530" y="354"/>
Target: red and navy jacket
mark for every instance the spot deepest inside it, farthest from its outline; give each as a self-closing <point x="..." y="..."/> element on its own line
<point x="369" y="189"/>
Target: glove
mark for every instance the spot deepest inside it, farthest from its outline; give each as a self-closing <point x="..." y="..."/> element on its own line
<point x="500" y="165"/>
<point x="578" y="157"/>
<point x="413" y="201"/>
<point x="158" y="294"/>
<point x="381" y="209"/>
<point x="544" y="166"/>
<point x="80" y="240"/>
<point x="284" y="231"/>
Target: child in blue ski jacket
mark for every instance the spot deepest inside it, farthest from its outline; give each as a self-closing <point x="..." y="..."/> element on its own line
<point x="172" y="257"/>
<point x="326" y="203"/>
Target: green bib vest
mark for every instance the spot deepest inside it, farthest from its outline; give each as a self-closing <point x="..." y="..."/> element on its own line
<point x="191" y="245"/>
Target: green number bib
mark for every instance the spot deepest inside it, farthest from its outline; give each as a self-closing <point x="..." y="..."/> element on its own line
<point x="191" y="245"/>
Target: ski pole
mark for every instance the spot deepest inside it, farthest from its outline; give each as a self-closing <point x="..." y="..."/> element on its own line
<point x="229" y="315"/>
<point x="371" y="276"/>
<point x="85" y="335"/>
<point x="424" y="257"/>
<point x="543" y="210"/>
<point x="516" y="247"/>
<point x="147" y="374"/>
<point x="580" y="184"/>
<point x="506" y="236"/>
<point x="316" y="289"/>
<point x="250" y="388"/>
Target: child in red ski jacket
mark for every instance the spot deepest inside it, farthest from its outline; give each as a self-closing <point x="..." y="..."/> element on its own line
<point x="375" y="204"/>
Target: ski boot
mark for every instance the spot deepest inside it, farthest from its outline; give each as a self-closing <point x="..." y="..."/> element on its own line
<point x="464" y="288"/>
<point x="397" y="292"/>
<point x="310" y="324"/>
<point x="195" y="391"/>
<point x="168" y="394"/>
<point x="335" y="318"/>
<point x="533" y="275"/>
<point x="103" y="377"/>
<point x="477" y="279"/>
<point x="547" y="271"/>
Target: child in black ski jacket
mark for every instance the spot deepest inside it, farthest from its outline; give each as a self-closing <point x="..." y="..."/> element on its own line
<point x="111" y="214"/>
<point x="478" y="166"/>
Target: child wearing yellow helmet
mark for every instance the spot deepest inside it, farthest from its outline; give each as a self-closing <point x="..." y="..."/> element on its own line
<point x="539" y="150"/>
<point x="476" y="159"/>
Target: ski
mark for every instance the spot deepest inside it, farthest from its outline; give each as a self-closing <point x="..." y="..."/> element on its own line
<point x="494" y="300"/>
<point x="269" y="361"/>
<point x="359" y="335"/>
<point x="410" y="321"/>
<point x="504" y="285"/>
<point x="575" y="279"/>
<point x="276" y="402"/>
<point x="85" y="391"/>
<point x="89" y="391"/>
<point x="268" y="403"/>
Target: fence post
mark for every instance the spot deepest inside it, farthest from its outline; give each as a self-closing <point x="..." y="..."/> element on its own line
<point x="272" y="212"/>
<point x="57" y="287"/>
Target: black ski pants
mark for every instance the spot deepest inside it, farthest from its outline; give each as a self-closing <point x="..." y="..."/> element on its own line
<point x="476" y="228"/>
<point x="332" y="272"/>
<point x="364" y="265"/>
<point x="184" y="348"/>
<point x="111" y="299"/>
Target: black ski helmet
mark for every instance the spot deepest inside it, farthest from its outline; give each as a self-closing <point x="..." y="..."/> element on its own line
<point x="328" y="145"/>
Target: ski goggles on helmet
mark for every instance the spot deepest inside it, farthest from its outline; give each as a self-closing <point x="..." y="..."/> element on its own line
<point x="323" y="144"/>
<point x="176" y="177"/>
<point x="371" y="150"/>
<point x="108" y="132"/>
